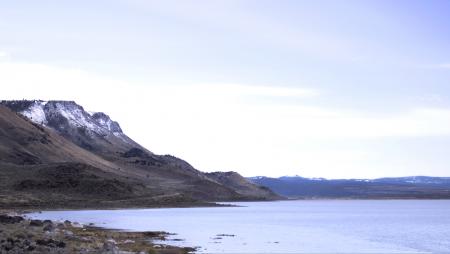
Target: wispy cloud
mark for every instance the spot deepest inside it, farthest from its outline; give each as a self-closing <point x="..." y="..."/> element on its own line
<point x="3" y="54"/>
<point x="443" y="66"/>
<point x="251" y="24"/>
<point x="436" y="66"/>
<point x="224" y="104"/>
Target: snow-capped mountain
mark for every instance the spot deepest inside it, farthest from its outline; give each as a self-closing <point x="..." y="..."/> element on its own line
<point x="426" y="180"/>
<point x="57" y="113"/>
<point x="72" y="121"/>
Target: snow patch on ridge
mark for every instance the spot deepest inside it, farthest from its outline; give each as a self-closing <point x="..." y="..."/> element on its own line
<point x="36" y="113"/>
<point x="57" y="114"/>
<point x="41" y="112"/>
<point x="105" y="122"/>
<point x="78" y="117"/>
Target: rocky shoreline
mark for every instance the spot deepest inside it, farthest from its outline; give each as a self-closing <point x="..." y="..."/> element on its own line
<point x="19" y="234"/>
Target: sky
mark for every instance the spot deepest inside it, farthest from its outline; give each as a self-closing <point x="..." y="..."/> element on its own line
<point x="334" y="89"/>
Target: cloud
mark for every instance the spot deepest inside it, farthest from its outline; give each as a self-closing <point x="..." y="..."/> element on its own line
<point x="436" y="66"/>
<point x="256" y="90"/>
<point x="249" y="23"/>
<point x="444" y="66"/>
<point x="430" y="98"/>
<point x="217" y="106"/>
<point x="3" y="55"/>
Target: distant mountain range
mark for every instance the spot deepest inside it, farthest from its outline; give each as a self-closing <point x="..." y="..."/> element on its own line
<point x="55" y="154"/>
<point x="415" y="187"/>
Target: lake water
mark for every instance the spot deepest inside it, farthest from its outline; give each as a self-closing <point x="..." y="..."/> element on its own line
<point x="316" y="226"/>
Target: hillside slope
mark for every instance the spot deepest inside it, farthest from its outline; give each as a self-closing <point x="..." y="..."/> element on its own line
<point x="242" y="185"/>
<point x="26" y="143"/>
<point x="55" y="154"/>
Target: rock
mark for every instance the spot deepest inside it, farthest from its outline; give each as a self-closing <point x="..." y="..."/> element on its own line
<point x="85" y="239"/>
<point x="12" y="245"/>
<point x="110" y="247"/>
<point x="48" y="228"/>
<point x="26" y="242"/>
<point x="6" y="219"/>
<point x="51" y="243"/>
<point x="36" y="223"/>
<point x="20" y="236"/>
<point x="111" y="241"/>
<point x="77" y="225"/>
<point x="68" y="233"/>
<point x="61" y="244"/>
<point x="8" y="246"/>
<point x="61" y="226"/>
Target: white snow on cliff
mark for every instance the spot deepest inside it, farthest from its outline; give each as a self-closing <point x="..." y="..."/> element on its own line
<point x="76" y="116"/>
<point x="36" y="113"/>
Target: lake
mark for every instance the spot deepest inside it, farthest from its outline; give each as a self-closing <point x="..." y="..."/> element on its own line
<point x="319" y="226"/>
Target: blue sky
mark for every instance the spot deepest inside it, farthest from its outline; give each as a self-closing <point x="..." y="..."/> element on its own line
<point x="316" y="88"/>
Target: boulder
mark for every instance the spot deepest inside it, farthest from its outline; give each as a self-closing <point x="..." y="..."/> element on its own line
<point x="36" y="223"/>
<point x="6" y="219"/>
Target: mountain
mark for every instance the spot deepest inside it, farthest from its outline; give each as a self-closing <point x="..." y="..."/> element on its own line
<point x="415" y="187"/>
<point x="422" y="180"/>
<point x="55" y="154"/>
<point x="95" y="132"/>
<point x="240" y="184"/>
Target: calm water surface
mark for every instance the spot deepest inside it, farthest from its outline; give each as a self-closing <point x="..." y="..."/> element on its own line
<point x="350" y="226"/>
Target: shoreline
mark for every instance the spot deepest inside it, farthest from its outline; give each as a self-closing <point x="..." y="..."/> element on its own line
<point x="20" y="234"/>
<point x="21" y="210"/>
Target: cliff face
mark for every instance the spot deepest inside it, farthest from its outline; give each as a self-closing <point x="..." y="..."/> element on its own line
<point x="39" y="140"/>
